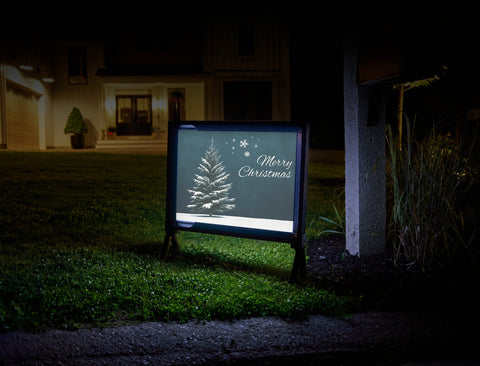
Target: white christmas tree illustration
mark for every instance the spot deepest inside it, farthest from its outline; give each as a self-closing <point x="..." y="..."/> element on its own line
<point x="210" y="192"/>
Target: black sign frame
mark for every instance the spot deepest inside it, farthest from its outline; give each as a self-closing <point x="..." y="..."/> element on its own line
<point x="296" y="236"/>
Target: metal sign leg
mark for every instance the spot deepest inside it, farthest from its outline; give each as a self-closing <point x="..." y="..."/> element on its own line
<point x="170" y="237"/>
<point x="299" y="262"/>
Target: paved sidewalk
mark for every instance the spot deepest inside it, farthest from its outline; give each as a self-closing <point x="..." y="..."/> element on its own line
<point x="372" y="338"/>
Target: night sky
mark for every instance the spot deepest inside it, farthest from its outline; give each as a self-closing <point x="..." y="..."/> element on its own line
<point x="427" y="39"/>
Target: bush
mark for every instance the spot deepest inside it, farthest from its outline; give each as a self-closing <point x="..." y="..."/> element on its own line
<point x="425" y="182"/>
<point x="75" y="123"/>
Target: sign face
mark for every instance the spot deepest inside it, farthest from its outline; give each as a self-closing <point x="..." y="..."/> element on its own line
<point x="237" y="179"/>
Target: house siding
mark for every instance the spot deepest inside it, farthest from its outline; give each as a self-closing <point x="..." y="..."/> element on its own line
<point x="86" y="97"/>
<point x="21" y="118"/>
<point x="211" y="60"/>
<point x="270" y="62"/>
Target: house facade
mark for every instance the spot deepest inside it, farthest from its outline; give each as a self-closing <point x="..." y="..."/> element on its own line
<point x="129" y="84"/>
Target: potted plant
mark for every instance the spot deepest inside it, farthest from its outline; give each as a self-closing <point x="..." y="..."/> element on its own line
<point x="76" y="126"/>
<point x="112" y="132"/>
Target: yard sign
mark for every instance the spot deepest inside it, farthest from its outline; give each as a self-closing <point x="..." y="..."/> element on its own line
<point x="243" y="179"/>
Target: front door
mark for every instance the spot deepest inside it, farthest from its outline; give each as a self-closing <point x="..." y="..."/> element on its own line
<point x="134" y="115"/>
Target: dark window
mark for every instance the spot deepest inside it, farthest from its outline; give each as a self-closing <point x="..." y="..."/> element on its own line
<point x="246" y="39"/>
<point x="247" y="101"/>
<point x="77" y="65"/>
<point x="176" y="104"/>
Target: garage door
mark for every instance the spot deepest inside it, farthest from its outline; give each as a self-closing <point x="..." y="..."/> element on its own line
<point x="22" y="118"/>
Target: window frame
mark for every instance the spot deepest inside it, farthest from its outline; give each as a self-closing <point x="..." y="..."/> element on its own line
<point x="77" y="66"/>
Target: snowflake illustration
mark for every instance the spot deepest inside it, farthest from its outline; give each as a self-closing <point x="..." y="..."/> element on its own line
<point x="244" y="143"/>
<point x="246" y="153"/>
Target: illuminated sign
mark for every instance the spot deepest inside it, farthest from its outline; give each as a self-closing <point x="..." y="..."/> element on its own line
<point x="238" y="179"/>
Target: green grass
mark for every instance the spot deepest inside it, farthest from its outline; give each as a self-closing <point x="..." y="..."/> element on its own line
<point x="80" y="235"/>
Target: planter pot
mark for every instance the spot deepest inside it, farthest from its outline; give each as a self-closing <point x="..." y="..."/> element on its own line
<point x="77" y="141"/>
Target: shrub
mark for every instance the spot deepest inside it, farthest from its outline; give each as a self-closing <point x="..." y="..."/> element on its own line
<point x="75" y="123"/>
<point x="425" y="182"/>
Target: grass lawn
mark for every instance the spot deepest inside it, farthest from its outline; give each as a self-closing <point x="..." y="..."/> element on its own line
<point x="80" y="235"/>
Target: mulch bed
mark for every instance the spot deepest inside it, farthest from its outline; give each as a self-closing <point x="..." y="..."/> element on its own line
<point x="383" y="285"/>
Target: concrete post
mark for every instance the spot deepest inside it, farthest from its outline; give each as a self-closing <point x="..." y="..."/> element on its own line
<point x="365" y="193"/>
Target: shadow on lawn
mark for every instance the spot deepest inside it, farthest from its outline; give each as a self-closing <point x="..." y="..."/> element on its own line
<point x="219" y="261"/>
<point x="154" y="249"/>
<point x="375" y="281"/>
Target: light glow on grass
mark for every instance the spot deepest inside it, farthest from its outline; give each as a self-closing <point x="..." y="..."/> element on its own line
<point x="80" y="243"/>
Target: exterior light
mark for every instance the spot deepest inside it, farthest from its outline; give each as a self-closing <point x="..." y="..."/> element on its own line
<point x="26" y="67"/>
<point x="48" y="79"/>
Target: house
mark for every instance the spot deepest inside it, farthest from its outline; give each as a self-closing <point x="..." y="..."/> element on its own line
<point x="133" y="81"/>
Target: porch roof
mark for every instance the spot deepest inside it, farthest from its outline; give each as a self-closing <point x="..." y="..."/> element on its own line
<point x="151" y="71"/>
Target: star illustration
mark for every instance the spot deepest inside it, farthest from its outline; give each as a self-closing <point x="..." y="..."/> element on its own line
<point x="244" y="143"/>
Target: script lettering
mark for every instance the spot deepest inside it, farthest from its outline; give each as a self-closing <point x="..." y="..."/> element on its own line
<point x="281" y="168"/>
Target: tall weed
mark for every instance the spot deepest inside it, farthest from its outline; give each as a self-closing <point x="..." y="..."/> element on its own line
<point x="339" y="222"/>
<point x="425" y="182"/>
